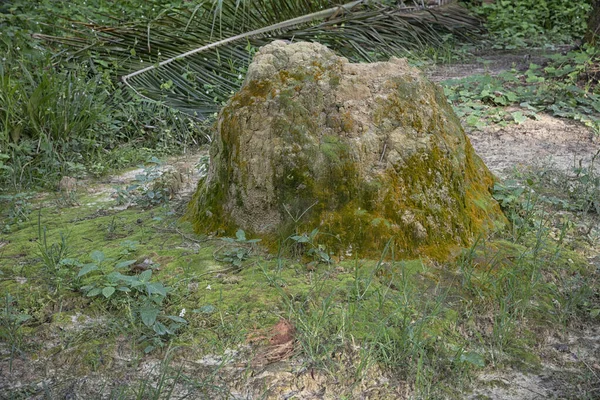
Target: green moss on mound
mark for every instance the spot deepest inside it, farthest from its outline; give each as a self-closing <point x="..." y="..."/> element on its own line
<point x="298" y="156"/>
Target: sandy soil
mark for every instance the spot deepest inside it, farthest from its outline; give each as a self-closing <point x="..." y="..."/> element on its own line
<point x="549" y="142"/>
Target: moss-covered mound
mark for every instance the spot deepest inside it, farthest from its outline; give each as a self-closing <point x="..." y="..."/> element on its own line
<point x="363" y="152"/>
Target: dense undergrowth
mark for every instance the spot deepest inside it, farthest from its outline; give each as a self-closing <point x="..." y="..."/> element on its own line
<point x="61" y="117"/>
<point x="65" y="114"/>
<point x="565" y="86"/>
<point x="514" y="24"/>
<point x="97" y="290"/>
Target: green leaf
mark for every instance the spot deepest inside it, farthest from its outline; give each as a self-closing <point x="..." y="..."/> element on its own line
<point x="87" y="268"/>
<point x="160" y="329"/>
<point x="148" y="315"/>
<point x="134" y="282"/>
<point x="156" y="288"/>
<point x="512" y="97"/>
<point x="97" y="256"/>
<point x="23" y="317"/>
<point x="70" y="262"/>
<point x="177" y="319"/>
<point x="500" y="100"/>
<point x="93" y="292"/>
<point x="595" y="312"/>
<point x="206" y="309"/>
<point x="473" y="120"/>
<point x="300" y="239"/>
<point x="108" y="291"/>
<point x="324" y="256"/>
<point x="518" y="117"/>
<point x="146" y="275"/>
<point x="124" y="264"/>
<point x="473" y="358"/>
<point x="240" y="235"/>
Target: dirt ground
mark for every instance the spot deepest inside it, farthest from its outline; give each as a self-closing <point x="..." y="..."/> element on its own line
<point x="549" y="142"/>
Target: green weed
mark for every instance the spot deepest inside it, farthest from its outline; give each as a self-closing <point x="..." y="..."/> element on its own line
<point x="144" y="191"/>
<point x="72" y="121"/>
<point x="563" y="88"/>
<point x="11" y="321"/>
<point x="307" y="244"/>
<point x="538" y="21"/>
<point x="112" y="280"/>
<point x="237" y="250"/>
<point x="55" y="259"/>
<point x="17" y="211"/>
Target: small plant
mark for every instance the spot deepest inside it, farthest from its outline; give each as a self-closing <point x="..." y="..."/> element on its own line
<point x="54" y="258"/>
<point x="519" y="204"/>
<point x="106" y="278"/>
<point x="11" y="321"/>
<point x="144" y="192"/>
<point x="306" y="243"/>
<point x="239" y="252"/>
<point x="17" y="211"/>
<point x="586" y="187"/>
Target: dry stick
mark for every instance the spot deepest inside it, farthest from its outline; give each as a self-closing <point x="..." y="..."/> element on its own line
<point x="183" y="235"/>
<point x="531" y="390"/>
<point x="383" y="152"/>
<point x="591" y="370"/>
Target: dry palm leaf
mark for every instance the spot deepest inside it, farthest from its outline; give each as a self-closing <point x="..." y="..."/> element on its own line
<point x="195" y="59"/>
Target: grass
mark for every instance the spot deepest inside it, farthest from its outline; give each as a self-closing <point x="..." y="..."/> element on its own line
<point x="423" y="326"/>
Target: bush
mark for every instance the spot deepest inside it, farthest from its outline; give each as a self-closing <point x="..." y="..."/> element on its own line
<point x="63" y="121"/>
<point x="518" y="23"/>
<point x="59" y="117"/>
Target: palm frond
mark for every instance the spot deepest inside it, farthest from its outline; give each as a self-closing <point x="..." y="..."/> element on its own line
<point x="194" y="59"/>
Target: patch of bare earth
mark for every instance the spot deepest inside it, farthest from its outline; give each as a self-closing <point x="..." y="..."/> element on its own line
<point x="185" y="165"/>
<point x="570" y="369"/>
<point x="493" y="63"/>
<point x="549" y="142"/>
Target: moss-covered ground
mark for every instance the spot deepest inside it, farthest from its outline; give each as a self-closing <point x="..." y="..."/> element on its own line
<point x="414" y="324"/>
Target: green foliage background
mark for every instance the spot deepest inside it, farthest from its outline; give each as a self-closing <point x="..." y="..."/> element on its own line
<point x="433" y="325"/>
<point x="60" y="116"/>
<point x="517" y="23"/>
<point x="66" y="113"/>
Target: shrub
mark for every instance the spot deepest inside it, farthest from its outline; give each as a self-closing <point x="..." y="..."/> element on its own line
<point x="517" y="23"/>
